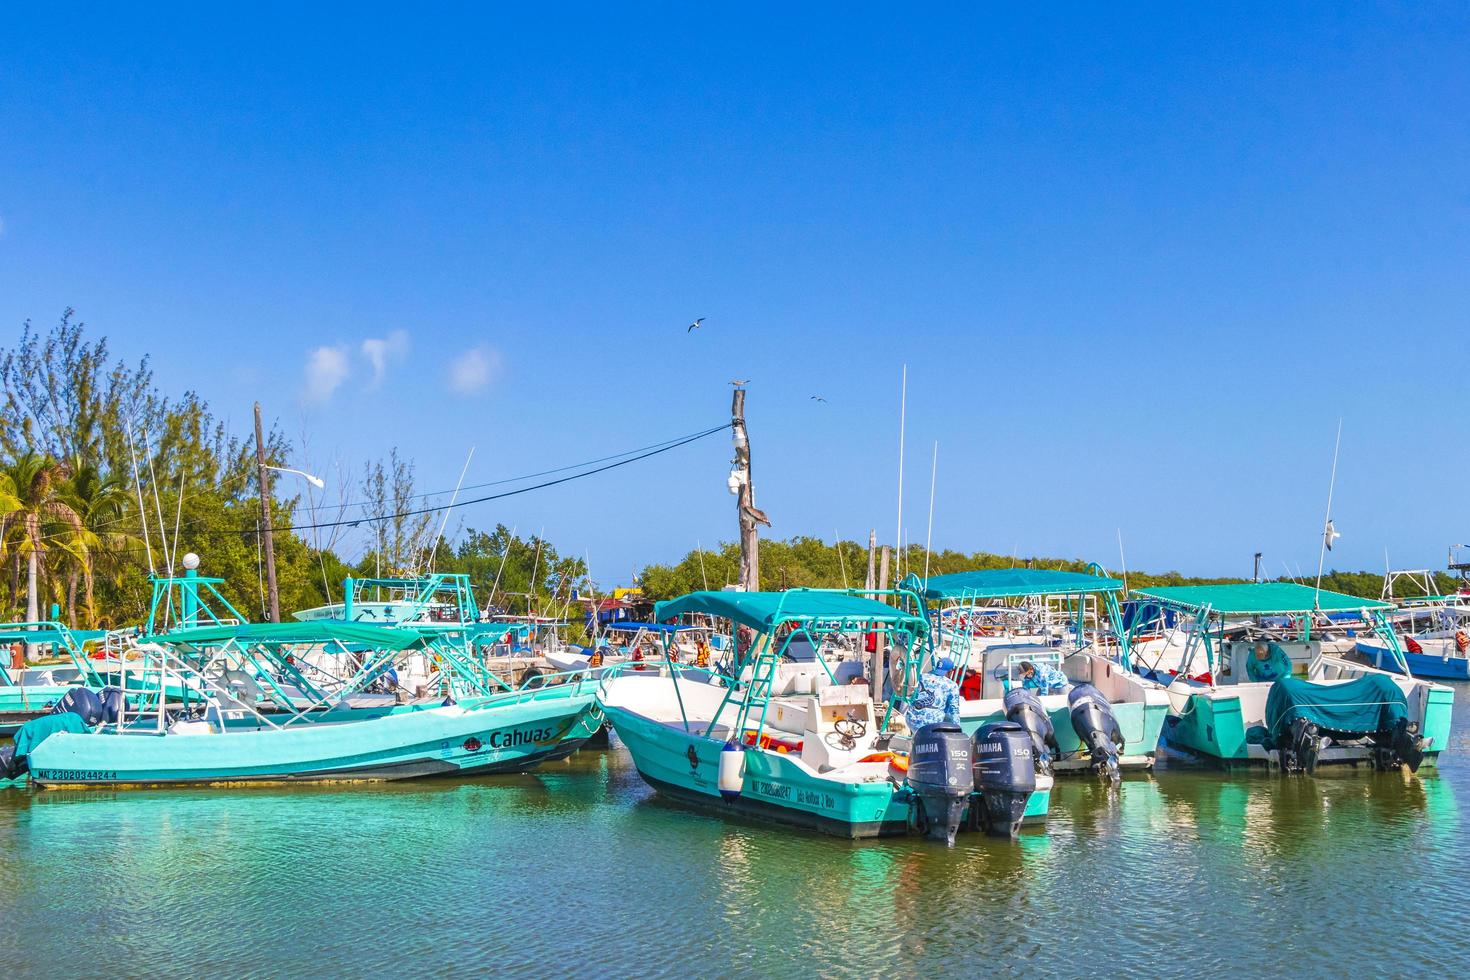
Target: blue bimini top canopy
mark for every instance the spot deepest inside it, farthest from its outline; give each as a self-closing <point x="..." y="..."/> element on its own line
<point x="764" y="611"/>
<point x="1259" y="599"/>
<point x="1009" y="583"/>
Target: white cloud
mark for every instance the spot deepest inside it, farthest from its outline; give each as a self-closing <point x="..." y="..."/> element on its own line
<point x="473" y="370"/>
<point x="380" y="350"/>
<point x="326" y="369"/>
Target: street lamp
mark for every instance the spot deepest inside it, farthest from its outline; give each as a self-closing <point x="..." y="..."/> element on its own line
<point x="315" y="481"/>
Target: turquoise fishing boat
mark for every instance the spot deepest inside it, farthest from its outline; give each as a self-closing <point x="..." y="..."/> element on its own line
<point x="1323" y="711"/>
<point x="219" y="733"/>
<point x="995" y="623"/>
<point x="804" y="750"/>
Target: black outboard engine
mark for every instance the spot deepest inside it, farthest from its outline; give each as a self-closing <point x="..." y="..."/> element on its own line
<point x="80" y="701"/>
<point x="941" y="775"/>
<point x="1097" y="727"/>
<point x="1399" y="746"/>
<point x="1304" y="743"/>
<point x="1407" y="744"/>
<point x="1005" y="775"/>
<point x="11" y="766"/>
<point x="1024" y="708"/>
<point x="113" y="701"/>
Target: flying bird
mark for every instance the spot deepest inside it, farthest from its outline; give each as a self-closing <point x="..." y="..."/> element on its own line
<point x="740" y="384"/>
<point x="695" y="325"/>
<point x="1330" y="534"/>
<point x="818" y="398"/>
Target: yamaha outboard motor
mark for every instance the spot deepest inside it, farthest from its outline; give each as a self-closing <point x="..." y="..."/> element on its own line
<point x="1097" y="727"/>
<point x="1005" y="775"/>
<point x="1024" y="708"/>
<point x="113" y="701"/>
<point x="80" y="701"/>
<point x="941" y="776"/>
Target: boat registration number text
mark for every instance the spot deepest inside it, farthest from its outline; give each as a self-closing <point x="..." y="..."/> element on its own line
<point x="808" y="797"/>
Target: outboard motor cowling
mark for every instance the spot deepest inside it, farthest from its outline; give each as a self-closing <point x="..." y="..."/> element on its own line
<point x="1097" y="727"/>
<point x="113" y="701"/>
<point x="1024" y="708"/>
<point x="941" y="775"/>
<point x="11" y="765"/>
<point x="80" y="701"/>
<point x="1005" y="776"/>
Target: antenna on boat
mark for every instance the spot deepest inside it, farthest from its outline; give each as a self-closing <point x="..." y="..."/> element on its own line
<point x="142" y="510"/>
<point x="535" y="567"/>
<point x="841" y="558"/>
<point x="503" y="555"/>
<point x="178" y="517"/>
<point x="903" y="404"/>
<point x="929" y="534"/>
<point x="434" y="550"/>
<point x="1124" y="562"/>
<point x="157" y="505"/>
<point x="1329" y="533"/>
<point x="702" y="576"/>
<point x="872" y="579"/>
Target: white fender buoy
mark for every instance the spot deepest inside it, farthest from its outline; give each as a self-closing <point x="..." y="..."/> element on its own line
<point x="732" y="771"/>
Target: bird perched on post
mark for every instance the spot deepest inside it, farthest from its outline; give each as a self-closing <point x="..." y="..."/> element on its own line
<point x="740" y="383"/>
<point x="695" y="325"/>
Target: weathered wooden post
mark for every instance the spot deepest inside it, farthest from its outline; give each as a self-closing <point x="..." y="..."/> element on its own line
<point x="741" y="485"/>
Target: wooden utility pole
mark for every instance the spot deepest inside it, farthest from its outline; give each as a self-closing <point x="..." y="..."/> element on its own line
<point x="265" y="522"/>
<point x="883" y="571"/>
<point x="744" y="490"/>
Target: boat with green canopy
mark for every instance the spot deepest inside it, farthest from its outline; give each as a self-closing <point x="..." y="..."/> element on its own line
<point x="1255" y="686"/>
<point x="220" y="733"/>
<point x="1046" y="649"/>
<point x="783" y="741"/>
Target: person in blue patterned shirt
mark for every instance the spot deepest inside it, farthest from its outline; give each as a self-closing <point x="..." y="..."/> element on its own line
<point x="936" y="698"/>
<point x="1042" y="678"/>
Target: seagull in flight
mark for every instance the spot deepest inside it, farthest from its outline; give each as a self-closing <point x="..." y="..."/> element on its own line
<point x="695" y="325"/>
<point x="740" y="384"/>
<point x="819" y="398"/>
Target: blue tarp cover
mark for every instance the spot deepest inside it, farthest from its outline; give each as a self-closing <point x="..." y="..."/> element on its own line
<point x="37" y="730"/>
<point x="1370" y="703"/>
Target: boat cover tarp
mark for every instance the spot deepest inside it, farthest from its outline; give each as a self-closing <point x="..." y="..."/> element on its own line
<point x="37" y="730"/>
<point x="763" y="611"/>
<point x="1006" y="583"/>
<point x="1259" y="598"/>
<point x="1371" y="703"/>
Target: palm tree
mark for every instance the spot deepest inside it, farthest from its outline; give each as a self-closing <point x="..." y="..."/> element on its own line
<point x="100" y="501"/>
<point x="42" y="522"/>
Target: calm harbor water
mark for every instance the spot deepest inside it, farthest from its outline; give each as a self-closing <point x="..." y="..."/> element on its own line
<point x="580" y="869"/>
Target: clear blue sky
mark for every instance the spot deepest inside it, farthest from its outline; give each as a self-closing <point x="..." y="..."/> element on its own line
<point x="1138" y="263"/>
